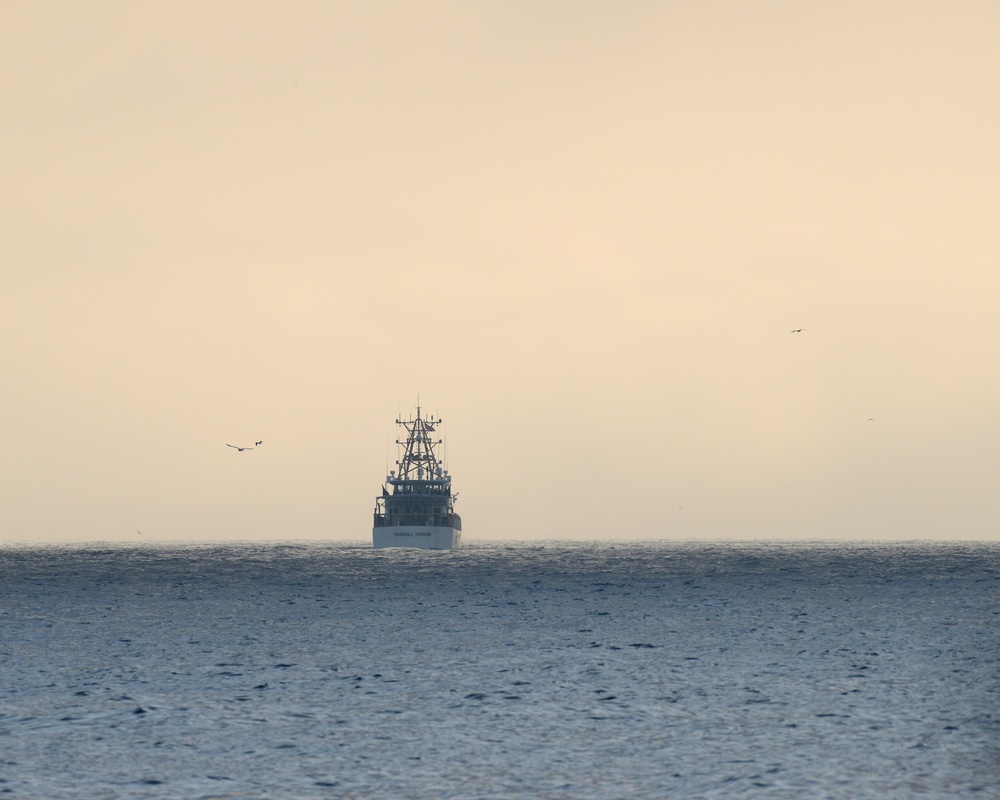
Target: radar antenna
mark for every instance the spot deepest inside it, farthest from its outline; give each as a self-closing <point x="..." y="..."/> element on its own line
<point x="419" y="458"/>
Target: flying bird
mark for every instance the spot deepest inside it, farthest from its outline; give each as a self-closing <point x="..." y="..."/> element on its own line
<point x="241" y="449"/>
<point x="797" y="330"/>
<point x="257" y="443"/>
<point x="871" y="419"/>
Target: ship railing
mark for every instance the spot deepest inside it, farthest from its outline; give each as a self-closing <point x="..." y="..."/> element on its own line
<point x="382" y="520"/>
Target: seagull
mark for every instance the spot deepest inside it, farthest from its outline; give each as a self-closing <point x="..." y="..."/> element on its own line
<point x="797" y="330"/>
<point x="871" y="419"/>
<point x="257" y="443"/>
<point x="241" y="449"/>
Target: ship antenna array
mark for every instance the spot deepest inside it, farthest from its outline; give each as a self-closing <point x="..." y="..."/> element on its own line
<point x="418" y="456"/>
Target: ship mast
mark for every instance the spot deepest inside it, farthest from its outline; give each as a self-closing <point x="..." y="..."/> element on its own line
<point x="419" y="461"/>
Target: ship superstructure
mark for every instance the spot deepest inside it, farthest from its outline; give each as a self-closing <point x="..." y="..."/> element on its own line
<point x="417" y="508"/>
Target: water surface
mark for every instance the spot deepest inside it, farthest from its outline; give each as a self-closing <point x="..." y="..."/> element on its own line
<point x="501" y="671"/>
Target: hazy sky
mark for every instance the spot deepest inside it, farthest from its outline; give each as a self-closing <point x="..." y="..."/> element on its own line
<point x="581" y="231"/>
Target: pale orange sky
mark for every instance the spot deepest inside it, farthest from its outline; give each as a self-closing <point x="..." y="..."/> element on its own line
<point x="581" y="231"/>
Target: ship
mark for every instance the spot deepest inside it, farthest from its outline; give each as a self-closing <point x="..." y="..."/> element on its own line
<point x="417" y="508"/>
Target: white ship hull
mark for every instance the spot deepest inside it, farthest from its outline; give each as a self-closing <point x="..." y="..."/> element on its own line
<point x="429" y="537"/>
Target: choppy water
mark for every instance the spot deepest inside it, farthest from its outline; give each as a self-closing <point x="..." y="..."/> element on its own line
<point x="501" y="671"/>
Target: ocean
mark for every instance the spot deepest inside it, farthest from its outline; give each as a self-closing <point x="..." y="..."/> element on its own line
<point x="501" y="670"/>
